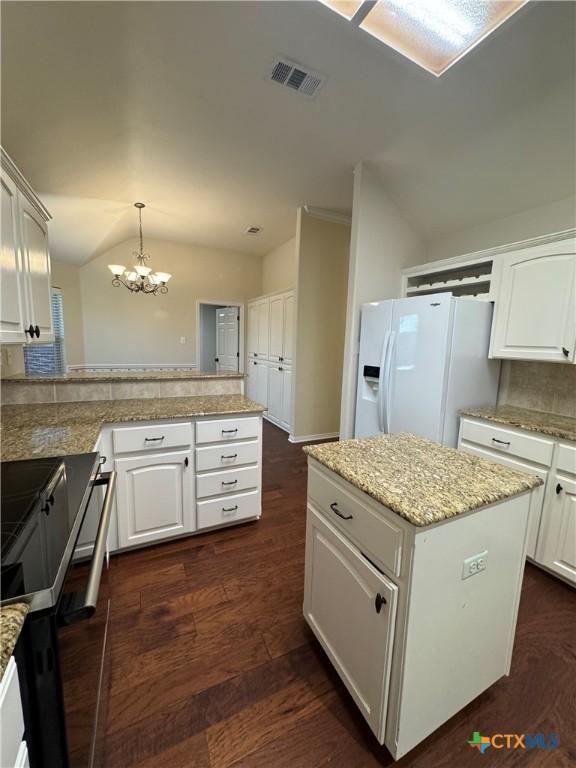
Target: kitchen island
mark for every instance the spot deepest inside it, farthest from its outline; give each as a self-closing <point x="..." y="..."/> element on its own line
<point x="414" y="562"/>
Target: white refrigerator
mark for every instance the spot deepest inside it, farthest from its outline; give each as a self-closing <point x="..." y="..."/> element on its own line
<point x="421" y="360"/>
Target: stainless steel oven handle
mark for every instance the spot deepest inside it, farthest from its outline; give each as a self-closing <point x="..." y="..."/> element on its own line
<point x="108" y="479"/>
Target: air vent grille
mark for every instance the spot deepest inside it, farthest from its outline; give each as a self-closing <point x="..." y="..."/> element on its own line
<point x="296" y="77"/>
<point x="253" y="231"/>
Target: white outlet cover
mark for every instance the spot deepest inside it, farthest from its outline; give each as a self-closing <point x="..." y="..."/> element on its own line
<point x="475" y="564"/>
<point x="182" y="339"/>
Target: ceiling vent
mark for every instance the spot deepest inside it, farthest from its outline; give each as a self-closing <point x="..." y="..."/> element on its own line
<point x="253" y="231"/>
<point x="296" y="77"/>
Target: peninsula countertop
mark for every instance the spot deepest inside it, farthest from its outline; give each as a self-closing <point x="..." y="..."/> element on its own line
<point x="11" y="622"/>
<point x="551" y="424"/>
<point x="60" y="429"/>
<point x="421" y="481"/>
<point x="110" y="376"/>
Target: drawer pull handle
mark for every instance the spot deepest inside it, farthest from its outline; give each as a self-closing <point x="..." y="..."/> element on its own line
<point x="559" y="489"/>
<point x="226" y="431"/>
<point x="500" y="442"/>
<point x="230" y="509"/>
<point x="153" y="439"/>
<point x="229" y="482"/>
<point x="379" y="602"/>
<point x="334" y="508"/>
<point x="231" y="456"/>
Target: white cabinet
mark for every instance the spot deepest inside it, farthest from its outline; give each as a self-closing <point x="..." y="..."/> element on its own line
<point x="280" y="395"/>
<point x="154" y="497"/>
<point x="289" y="320"/>
<point x="286" y="413"/>
<point x="11" y="716"/>
<point x="257" y="384"/>
<point x="351" y="607"/>
<point x="25" y="312"/>
<point x="263" y="328"/>
<point x="252" y="334"/>
<point x="535" y="307"/>
<point x="281" y="327"/>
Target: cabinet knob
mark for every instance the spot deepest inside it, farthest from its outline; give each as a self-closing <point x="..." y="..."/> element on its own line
<point x="30" y="331"/>
<point x="37" y="331"/>
<point x="280" y="368"/>
<point x="186" y="462"/>
<point x="379" y="602"/>
<point x="559" y="489"/>
<point x="565" y="352"/>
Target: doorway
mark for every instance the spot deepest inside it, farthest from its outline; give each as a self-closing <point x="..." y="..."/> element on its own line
<point x="219" y="336"/>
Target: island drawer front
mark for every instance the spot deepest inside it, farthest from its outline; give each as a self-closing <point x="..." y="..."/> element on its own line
<point x="228" y="510"/>
<point x="11" y="717"/>
<point x="231" y="481"/>
<point x="567" y="459"/>
<point x="373" y="533"/>
<point x="224" y="430"/>
<point x="151" y="438"/>
<point x="226" y="456"/>
<point x="530" y="447"/>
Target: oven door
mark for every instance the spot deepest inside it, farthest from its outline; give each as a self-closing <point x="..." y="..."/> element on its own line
<point x="84" y="663"/>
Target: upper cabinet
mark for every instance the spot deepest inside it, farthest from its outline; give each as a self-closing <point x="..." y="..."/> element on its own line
<point x="535" y="304"/>
<point x="25" y="312"/>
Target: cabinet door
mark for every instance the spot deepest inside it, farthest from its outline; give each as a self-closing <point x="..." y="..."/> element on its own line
<point x="154" y="497"/>
<point x="535" y="312"/>
<point x="37" y="269"/>
<point x="262" y="371"/>
<point x="288" y="342"/>
<point x="12" y="320"/>
<point x="341" y="593"/>
<point x="276" y="321"/>
<point x="275" y="394"/>
<point x="263" y="328"/>
<point x="252" y="380"/>
<point x="286" y="416"/>
<point x="557" y="540"/>
<point x="252" y="335"/>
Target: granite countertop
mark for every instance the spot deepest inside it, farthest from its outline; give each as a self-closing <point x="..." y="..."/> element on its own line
<point x="59" y="429"/>
<point x="11" y="623"/>
<point x="105" y="376"/>
<point x="421" y="481"/>
<point x="535" y="421"/>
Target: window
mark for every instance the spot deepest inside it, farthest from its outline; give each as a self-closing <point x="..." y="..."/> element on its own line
<point x="48" y="359"/>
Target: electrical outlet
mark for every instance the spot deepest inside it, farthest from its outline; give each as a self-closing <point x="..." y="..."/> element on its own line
<point x="182" y="339"/>
<point x="475" y="564"/>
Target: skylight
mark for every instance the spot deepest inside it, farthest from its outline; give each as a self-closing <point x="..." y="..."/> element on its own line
<point x="434" y="34"/>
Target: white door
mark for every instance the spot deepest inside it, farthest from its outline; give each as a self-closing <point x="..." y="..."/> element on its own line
<point x="535" y="309"/>
<point x="557" y="540"/>
<point x="262" y="370"/>
<point x="12" y="308"/>
<point x="276" y="323"/>
<point x="375" y="324"/>
<point x="286" y="415"/>
<point x="275" y="392"/>
<point x="37" y="269"/>
<point x="288" y="342"/>
<point x="154" y="497"/>
<point x="227" y="351"/>
<point x="252" y="334"/>
<point x="263" y="328"/>
<point x="351" y="608"/>
<point x="415" y="369"/>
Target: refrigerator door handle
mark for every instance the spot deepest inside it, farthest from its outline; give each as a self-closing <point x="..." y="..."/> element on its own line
<point x="382" y="417"/>
<point x="386" y="382"/>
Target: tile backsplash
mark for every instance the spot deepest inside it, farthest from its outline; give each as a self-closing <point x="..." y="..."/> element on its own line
<point x="549" y="387"/>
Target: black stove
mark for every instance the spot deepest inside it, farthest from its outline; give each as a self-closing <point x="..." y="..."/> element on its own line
<point x="43" y="505"/>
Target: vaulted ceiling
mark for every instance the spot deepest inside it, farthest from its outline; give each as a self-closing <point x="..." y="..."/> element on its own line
<point x="169" y="102"/>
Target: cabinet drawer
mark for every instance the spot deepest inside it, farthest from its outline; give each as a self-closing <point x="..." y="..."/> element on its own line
<point x="11" y="717"/>
<point x="228" y="510"/>
<point x="230" y="481"/>
<point x="224" y="430"/>
<point x="567" y="459"/>
<point x="531" y="447"/>
<point x="225" y="456"/>
<point x="372" y="532"/>
<point x="151" y="438"/>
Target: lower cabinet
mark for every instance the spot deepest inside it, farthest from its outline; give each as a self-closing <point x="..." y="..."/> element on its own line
<point x="154" y="497"/>
<point x="280" y="395"/>
<point x="557" y="541"/>
<point x="344" y="590"/>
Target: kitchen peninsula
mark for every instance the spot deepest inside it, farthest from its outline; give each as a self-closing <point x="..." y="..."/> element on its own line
<point x="414" y="562"/>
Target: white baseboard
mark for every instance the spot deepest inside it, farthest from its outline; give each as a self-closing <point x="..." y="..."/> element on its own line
<point x="309" y="438"/>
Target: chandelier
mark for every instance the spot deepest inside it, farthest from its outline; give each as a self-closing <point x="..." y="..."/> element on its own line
<point x="140" y="279"/>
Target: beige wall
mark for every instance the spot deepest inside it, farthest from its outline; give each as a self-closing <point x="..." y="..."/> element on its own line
<point x="383" y="242"/>
<point x="554" y="217"/>
<point x="67" y="278"/>
<point x="323" y="254"/>
<point x="280" y="268"/>
<point x="122" y="328"/>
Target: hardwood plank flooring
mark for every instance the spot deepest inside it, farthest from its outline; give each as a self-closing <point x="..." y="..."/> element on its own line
<point x="213" y="665"/>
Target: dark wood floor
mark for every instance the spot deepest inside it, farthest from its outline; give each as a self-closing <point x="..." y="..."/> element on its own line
<point x="214" y="666"/>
